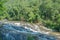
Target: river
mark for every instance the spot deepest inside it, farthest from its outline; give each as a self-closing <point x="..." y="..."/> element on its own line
<point x="32" y="29"/>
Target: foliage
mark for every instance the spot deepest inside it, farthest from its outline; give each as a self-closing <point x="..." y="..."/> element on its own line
<point x="47" y="11"/>
<point x="2" y="8"/>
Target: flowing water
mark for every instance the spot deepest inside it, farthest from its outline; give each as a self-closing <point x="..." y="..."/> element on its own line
<point x="25" y="31"/>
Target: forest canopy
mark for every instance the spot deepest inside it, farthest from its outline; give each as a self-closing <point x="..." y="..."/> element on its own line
<point x="46" y="11"/>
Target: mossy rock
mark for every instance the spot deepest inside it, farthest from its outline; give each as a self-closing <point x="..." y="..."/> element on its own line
<point x="31" y="38"/>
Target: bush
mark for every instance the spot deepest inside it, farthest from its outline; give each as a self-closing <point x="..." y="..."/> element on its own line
<point x="32" y="11"/>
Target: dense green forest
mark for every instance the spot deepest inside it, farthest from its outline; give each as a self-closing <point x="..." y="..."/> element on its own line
<point x="45" y="11"/>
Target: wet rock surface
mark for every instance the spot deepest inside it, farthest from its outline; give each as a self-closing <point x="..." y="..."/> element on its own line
<point x="13" y="32"/>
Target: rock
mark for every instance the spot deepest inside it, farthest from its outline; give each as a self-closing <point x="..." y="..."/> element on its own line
<point x="13" y="32"/>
